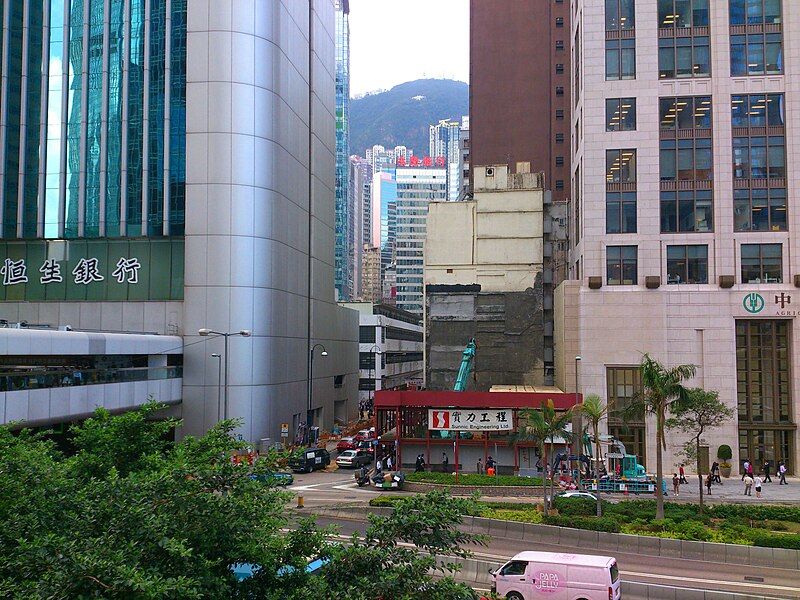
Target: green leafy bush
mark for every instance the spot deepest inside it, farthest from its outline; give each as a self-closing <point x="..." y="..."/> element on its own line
<point x="575" y="507"/>
<point x="592" y="524"/>
<point x="384" y="500"/>
<point x="473" y="480"/>
<point x="777" y="540"/>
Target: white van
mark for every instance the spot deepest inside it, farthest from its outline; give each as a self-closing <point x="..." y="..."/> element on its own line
<point x="557" y="576"/>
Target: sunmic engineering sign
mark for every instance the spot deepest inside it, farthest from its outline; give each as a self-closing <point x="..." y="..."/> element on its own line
<point x="479" y="419"/>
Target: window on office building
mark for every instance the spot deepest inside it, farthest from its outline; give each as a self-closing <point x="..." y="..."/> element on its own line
<point x="621" y="265"/>
<point x="759" y="157"/>
<point x="559" y="115"/>
<point x="683" y="57"/>
<point x="673" y="14"/>
<point x="685" y="113"/>
<point x="762" y="263"/>
<point x="687" y="264"/>
<point x="620" y="15"/>
<point x="756" y="37"/>
<point x="623" y="386"/>
<point x="620" y="114"/>
<point x="755" y="12"/>
<point x="620" y="59"/>
<point x="621" y="166"/>
<point x="759" y="209"/>
<point x="757" y="110"/>
<point x="559" y="161"/>
<point x="686" y="211"/>
<point x="685" y="160"/>
<point x="620" y="212"/>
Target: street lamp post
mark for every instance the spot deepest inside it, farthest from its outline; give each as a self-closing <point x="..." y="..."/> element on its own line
<point x="579" y="422"/>
<point x="375" y="351"/>
<point x="219" y="384"/>
<point x="242" y="332"/>
<point x="310" y="386"/>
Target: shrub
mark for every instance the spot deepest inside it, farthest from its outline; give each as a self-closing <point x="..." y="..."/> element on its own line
<point x="691" y="530"/>
<point x="523" y="516"/>
<point x="777" y="540"/>
<point x="575" y="507"/>
<point x="724" y="453"/>
<point x="384" y="500"/>
<point x="592" y="524"/>
<point x="473" y="479"/>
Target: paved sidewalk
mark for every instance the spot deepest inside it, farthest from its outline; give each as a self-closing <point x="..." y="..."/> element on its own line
<point x="732" y="490"/>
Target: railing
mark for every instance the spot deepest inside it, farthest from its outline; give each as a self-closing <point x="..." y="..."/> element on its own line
<point x="43" y="378"/>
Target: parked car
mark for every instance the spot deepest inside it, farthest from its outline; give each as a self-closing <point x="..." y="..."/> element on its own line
<point x="281" y="478"/>
<point x="578" y="494"/>
<point x="530" y="575"/>
<point x="365" y="434"/>
<point x="346" y="443"/>
<point x="309" y="460"/>
<point x="354" y="458"/>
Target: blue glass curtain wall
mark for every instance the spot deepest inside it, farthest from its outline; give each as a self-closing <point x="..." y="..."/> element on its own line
<point x="95" y="118"/>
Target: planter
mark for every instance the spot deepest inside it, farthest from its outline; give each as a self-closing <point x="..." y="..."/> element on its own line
<point x="725" y="471"/>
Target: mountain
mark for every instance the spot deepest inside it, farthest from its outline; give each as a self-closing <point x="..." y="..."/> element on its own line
<point x="402" y="115"/>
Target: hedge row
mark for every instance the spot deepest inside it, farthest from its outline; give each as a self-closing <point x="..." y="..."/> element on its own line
<point x="473" y="480"/>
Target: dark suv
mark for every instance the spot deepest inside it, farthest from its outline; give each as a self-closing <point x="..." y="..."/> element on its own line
<point x="309" y="460"/>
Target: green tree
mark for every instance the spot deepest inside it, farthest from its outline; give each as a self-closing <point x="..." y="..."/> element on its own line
<point x="702" y="411"/>
<point x="171" y="519"/>
<point x="662" y="391"/>
<point x="542" y="426"/>
<point x="594" y="409"/>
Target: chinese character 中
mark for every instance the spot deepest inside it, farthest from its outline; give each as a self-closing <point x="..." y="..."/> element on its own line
<point x="14" y="271"/>
<point x="129" y="267"/>
<point x="783" y="300"/>
<point x="86" y="271"/>
<point x="471" y="417"/>
<point x="51" y="271"/>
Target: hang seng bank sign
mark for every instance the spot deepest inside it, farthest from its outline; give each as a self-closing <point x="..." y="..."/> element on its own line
<point x="457" y="419"/>
<point x="97" y="269"/>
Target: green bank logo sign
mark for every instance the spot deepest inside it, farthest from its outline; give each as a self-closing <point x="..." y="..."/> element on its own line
<point x="753" y="303"/>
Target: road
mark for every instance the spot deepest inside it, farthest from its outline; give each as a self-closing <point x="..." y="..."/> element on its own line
<point x="324" y="489"/>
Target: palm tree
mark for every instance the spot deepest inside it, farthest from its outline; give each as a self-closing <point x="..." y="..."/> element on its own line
<point x="661" y="392"/>
<point x="543" y="425"/>
<point x="594" y="409"/>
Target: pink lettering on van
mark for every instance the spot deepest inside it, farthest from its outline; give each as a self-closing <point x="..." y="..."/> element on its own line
<point x="547" y="582"/>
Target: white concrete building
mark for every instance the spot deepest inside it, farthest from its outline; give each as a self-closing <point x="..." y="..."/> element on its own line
<point x="685" y="215"/>
<point x="390" y="348"/>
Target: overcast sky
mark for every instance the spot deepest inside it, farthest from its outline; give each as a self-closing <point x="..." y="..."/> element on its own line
<point x="394" y="41"/>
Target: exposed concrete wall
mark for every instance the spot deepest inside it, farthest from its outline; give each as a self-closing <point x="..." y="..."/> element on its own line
<point x="508" y="328"/>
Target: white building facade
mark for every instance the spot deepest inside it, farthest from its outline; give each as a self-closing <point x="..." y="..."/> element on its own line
<point x="684" y="214"/>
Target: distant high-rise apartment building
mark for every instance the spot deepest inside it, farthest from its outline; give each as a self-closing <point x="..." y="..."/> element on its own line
<point x="685" y="220"/>
<point x="384" y="227"/>
<point x="464" y="157"/>
<point x="345" y="220"/>
<point x="444" y="141"/>
<point x="370" y="274"/>
<point x="416" y="188"/>
<point x="359" y="210"/>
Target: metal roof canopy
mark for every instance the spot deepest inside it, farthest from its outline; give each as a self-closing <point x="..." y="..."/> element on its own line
<point x="449" y="399"/>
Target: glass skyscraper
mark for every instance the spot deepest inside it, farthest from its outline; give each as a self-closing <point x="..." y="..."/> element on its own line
<point x="94" y="119"/>
<point x="344" y="235"/>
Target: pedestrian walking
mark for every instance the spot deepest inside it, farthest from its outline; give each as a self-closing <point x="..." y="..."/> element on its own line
<point x="745" y="467"/>
<point x="750" y="469"/>
<point x="480" y="467"/>
<point x="676" y="484"/>
<point x="748" y="485"/>
<point x="782" y="473"/>
<point x="379" y="465"/>
<point x="709" y="482"/>
<point x="422" y="462"/>
<point x="418" y="464"/>
<point x="767" y="468"/>
<point x="388" y="463"/>
<point x="682" y="475"/>
<point x="445" y="462"/>
<point x="757" y="484"/>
